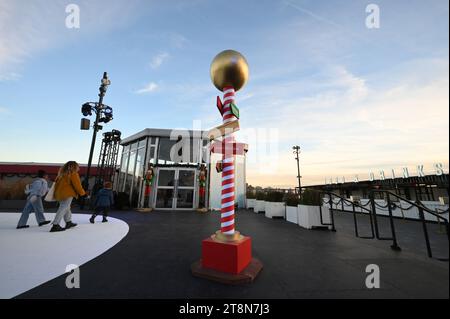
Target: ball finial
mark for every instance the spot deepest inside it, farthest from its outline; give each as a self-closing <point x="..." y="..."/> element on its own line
<point x="229" y="68"/>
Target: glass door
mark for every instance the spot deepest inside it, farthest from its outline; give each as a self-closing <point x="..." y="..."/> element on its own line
<point x="185" y="188"/>
<point x="165" y="188"/>
<point x="176" y="188"/>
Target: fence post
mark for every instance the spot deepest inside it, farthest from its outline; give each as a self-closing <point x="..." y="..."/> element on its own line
<point x="391" y="220"/>
<point x="374" y="213"/>
<point x="425" y="230"/>
<point x="354" y="219"/>
<point x="331" y="213"/>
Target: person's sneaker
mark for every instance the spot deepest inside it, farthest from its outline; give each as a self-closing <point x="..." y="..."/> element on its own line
<point x="56" y="228"/>
<point x="44" y="223"/>
<point x="92" y="219"/>
<point x="69" y="224"/>
<point x="24" y="226"/>
<point x="104" y="220"/>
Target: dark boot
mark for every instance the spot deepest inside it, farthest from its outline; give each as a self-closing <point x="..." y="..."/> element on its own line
<point x="56" y="228"/>
<point x="24" y="226"/>
<point x="44" y="223"/>
<point x="69" y="224"/>
<point x="92" y="219"/>
<point x="104" y="220"/>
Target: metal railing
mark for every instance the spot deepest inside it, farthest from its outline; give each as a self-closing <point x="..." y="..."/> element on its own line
<point x="342" y="200"/>
<point x="333" y="228"/>
<point x="422" y="219"/>
<point x="394" y="245"/>
<point x="327" y="198"/>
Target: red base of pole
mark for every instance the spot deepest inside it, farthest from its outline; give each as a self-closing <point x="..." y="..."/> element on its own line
<point x="232" y="257"/>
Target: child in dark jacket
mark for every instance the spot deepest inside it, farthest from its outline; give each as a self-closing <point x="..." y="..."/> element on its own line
<point x="103" y="202"/>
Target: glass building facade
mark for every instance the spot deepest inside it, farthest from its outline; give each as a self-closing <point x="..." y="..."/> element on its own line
<point x="176" y="157"/>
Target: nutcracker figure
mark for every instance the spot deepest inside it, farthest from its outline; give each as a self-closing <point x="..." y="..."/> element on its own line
<point x="202" y="187"/>
<point x="148" y="182"/>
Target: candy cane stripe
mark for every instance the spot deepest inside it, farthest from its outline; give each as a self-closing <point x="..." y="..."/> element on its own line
<point x="227" y="186"/>
<point x="228" y="230"/>
<point x="224" y="215"/>
<point x="227" y="193"/>
<point x="227" y="202"/>
<point x="227" y="223"/>
<point x="224" y="178"/>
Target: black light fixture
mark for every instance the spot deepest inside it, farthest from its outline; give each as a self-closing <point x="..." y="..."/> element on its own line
<point x="107" y="114"/>
<point x="86" y="109"/>
<point x="85" y="124"/>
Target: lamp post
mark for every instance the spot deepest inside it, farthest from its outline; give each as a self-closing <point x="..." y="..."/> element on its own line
<point x="296" y="151"/>
<point x="103" y="113"/>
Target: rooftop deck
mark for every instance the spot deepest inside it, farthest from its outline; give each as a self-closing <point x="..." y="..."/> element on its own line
<point x="153" y="261"/>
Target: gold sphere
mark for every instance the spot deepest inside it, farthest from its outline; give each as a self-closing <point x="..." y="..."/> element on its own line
<point x="229" y="68"/>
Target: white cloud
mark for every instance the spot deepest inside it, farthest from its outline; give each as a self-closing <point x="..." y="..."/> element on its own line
<point x="148" y="88"/>
<point x="158" y="59"/>
<point x="27" y="29"/>
<point x="346" y="126"/>
<point x="177" y="40"/>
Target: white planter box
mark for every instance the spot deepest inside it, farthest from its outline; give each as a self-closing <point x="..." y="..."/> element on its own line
<point x="260" y="206"/>
<point x="275" y="209"/>
<point x="309" y="216"/>
<point x="251" y="202"/>
<point x="291" y="214"/>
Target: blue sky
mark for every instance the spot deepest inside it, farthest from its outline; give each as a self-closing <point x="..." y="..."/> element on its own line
<point x="355" y="99"/>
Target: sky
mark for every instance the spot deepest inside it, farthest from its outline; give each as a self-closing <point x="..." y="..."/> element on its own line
<point x="355" y="99"/>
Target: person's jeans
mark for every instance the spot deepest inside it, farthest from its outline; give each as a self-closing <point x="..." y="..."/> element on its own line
<point x="34" y="203"/>
<point x="63" y="211"/>
<point x="101" y="210"/>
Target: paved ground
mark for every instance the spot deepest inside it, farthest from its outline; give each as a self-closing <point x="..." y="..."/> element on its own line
<point x="28" y="257"/>
<point x="153" y="261"/>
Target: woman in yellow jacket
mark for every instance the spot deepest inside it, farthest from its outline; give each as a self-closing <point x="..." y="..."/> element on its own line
<point x="68" y="186"/>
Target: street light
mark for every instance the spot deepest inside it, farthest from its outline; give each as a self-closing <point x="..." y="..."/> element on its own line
<point x="297" y="152"/>
<point x="103" y="114"/>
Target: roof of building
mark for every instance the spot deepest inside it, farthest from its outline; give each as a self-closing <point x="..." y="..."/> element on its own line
<point x="31" y="168"/>
<point x="160" y="132"/>
<point x="438" y="180"/>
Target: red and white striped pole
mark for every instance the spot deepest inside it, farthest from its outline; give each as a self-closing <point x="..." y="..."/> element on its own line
<point x="227" y="199"/>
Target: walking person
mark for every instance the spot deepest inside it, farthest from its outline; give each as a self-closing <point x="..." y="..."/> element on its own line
<point x="35" y="191"/>
<point x="103" y="202"/>
<point x="68" y="186"/>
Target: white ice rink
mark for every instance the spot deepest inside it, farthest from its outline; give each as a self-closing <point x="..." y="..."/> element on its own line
<point x="32" y="256"/>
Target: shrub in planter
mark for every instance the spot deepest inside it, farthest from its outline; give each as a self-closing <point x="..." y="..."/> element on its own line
<point x="251" y="198"/>
<point x="260" y="195"/>
<point x="310" y="197"/>
<point x="260" y="204"/>
<point x="291" y="201"/>
<point x="274" y="204"/>
<point x="274" y="196"/>
<point x="309" y="210"/>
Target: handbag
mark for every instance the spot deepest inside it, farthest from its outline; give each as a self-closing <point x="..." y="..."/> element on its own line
<point x="50" y="197"/>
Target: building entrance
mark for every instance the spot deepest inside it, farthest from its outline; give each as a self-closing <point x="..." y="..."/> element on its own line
<point x="176" y="188"/>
